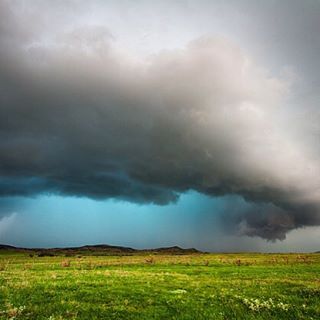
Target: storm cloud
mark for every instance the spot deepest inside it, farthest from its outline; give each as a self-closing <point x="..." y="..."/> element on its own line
<point x="82" y="116"/>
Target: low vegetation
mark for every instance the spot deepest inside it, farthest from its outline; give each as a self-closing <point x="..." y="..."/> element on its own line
<point x="159" y="286"/>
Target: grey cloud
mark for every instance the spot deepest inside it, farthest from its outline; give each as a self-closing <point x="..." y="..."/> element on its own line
<point x="80" y="116"/>
<point x="271" y="222"/>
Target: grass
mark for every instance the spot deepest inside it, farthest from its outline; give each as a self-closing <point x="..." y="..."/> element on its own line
<point x="200" y="286"/>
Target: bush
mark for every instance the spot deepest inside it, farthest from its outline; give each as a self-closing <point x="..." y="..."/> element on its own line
<point x="65" y="264"/>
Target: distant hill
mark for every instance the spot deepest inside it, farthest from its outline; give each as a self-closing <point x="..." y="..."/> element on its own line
<point x="99" y="249"/>
<point x="174" y="250"/>
<point x="6" y="247"/>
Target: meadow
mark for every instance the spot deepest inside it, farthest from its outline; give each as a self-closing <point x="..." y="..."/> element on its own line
<point x="150" y="286"/>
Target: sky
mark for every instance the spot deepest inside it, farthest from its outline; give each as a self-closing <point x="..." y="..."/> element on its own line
<point x="159" y="123"/>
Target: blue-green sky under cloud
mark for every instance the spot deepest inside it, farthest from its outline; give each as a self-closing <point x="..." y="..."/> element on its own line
<point x="195" y="221"/>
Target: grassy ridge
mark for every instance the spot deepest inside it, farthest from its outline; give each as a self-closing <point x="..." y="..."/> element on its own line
<point x="198" y="286"/>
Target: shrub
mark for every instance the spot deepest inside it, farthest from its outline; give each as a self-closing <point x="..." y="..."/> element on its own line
<point x="150" y="260"/>
<point x="65" y="264"/>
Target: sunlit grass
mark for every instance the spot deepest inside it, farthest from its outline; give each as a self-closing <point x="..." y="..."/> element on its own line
<point x="204" y="286"/>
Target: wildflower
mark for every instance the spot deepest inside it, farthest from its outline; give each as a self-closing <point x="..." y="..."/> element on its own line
<point x="257" y="305"/>
<point x="179" y="291"/>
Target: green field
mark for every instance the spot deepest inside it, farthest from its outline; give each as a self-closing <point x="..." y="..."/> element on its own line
<point x="200" y="286"/>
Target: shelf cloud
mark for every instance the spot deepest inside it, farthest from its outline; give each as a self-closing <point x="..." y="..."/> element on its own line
<point x="82" y="116"/>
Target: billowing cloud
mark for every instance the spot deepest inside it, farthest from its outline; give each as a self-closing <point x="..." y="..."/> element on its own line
<point x="80" y="116"/>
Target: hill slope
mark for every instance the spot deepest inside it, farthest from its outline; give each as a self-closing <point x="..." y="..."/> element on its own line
<point x="100" y="249"/>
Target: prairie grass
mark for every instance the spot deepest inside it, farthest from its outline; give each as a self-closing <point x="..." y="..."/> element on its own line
<point x="198" y="286"/>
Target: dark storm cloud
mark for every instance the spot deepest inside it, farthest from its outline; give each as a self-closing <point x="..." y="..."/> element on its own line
<point x="80" y="116"/>
<point x="267" y="220"/>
